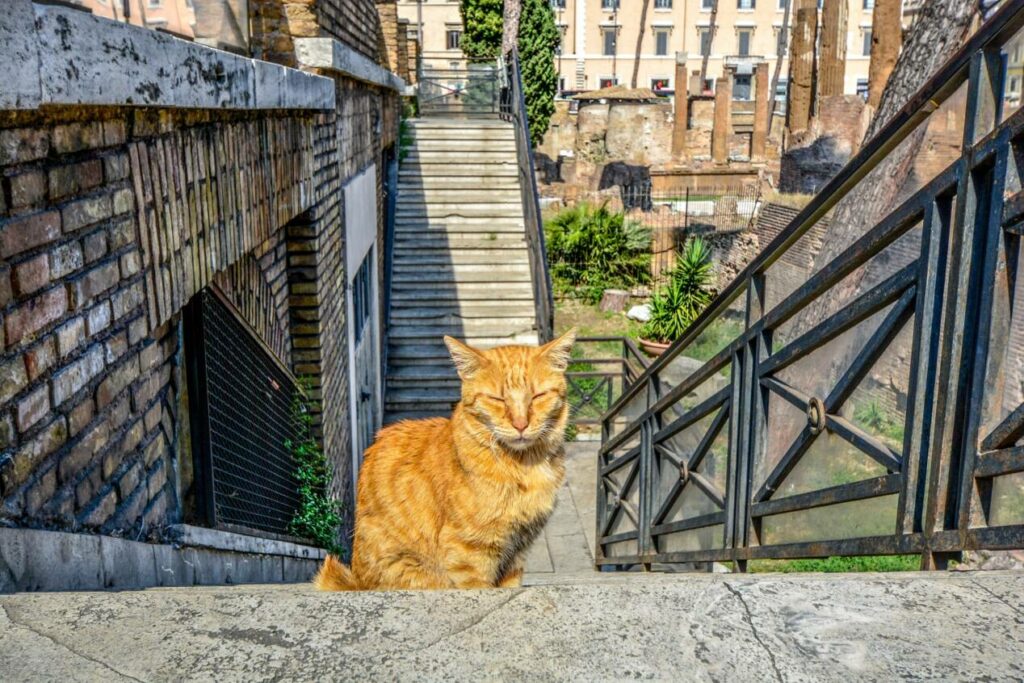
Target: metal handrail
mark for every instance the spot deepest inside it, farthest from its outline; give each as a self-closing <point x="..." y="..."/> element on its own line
<point x="513" y="108"/>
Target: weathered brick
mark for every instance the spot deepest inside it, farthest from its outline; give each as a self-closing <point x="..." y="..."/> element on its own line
<point x="87" y="487"/>
<point x="103" y="510"/>
<point x="27" y="458"/>
<point x="154" y="449"/>
<point x="31" y="275"/>
<point x="74" y="137"/>
<point x="95" y="246"/>
<point x="21" y="234"/>
<point x="41" y="357"/>
<point x="76" y="375"/>
<point x="114" y="133"/>
<point x="98" y="318"/>
<point x="81" y="415"/>
<point x="150" y="356"/>
<point x="65" y="181"/>
<point x="157" y="479"/>
<point x="150" y="387"/>
<point x="116" y="381"/>
<point x="126" y="300"/>
<point x="93" y="283"/>
<point x="124" y="201"/>
<point x="33" y="407"/>
<point x="81" y="454"/>
<point x="87" y="211"/>
<point x="35" y="314"/>
<point x="19" y="145"/>
<point x="152" y="417"/>
<point x="119" y="412"/>
<point x="132" y="437"/>
<point x="122" y="232"/>
<point x="130" y="263"/>
<point x="6" y="291"/>
<point x="66" y="259"/>
<point x="7" y="431"/>
<point x="129" y="481"/>
<point x="116" y="167"/>
<point x="137" y="330"/>
<point x="28" y="189"/>
<point x="116" y="346"/>
<point x="13" y="378"/>
<point x="40" y="493"/>
<point x="70" y="336"/>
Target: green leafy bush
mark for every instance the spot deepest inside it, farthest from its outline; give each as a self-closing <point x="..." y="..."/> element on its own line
<point x="592" y="248"/>
<point x="686" y="294"/>
<point x="319" y="516"/>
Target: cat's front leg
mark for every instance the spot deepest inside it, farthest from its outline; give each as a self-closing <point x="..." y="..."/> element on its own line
<point x="513" y="578"/>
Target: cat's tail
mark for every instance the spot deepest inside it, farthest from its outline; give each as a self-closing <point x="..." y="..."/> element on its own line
<point x="335" y="576"/>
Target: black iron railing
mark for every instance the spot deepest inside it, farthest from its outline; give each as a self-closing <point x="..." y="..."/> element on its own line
<point x="601" y="369"/>
<point x="457" y="86"/>
<point x="513" y="108"/>
<point x="874" y="404"/>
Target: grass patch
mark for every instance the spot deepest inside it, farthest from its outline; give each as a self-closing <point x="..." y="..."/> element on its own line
<point x="828" y="565"/>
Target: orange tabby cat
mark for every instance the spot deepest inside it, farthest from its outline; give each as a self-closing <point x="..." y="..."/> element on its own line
<point x="455" y="503"/>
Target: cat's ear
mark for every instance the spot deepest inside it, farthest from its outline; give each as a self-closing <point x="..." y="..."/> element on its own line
<point x="467" y="359"/>
<point x="559" y="351"/>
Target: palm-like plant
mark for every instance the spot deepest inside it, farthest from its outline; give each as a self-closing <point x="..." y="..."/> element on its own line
<point x="675" y="306"/>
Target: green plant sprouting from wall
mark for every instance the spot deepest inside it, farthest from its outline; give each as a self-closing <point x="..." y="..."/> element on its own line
<point x="319" y="516"/>
<point x="687" y="293"/>
<point x="591" y="249"/>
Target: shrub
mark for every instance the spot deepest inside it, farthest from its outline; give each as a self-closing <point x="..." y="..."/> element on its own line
<point x="319" y="516"/>
<point x="592" y="248"/>
<point x="675" y="306"/>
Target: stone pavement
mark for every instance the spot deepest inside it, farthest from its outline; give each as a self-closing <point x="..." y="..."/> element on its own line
<point x="958" y="626"/>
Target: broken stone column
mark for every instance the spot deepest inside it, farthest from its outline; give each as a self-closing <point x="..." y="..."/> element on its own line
<point x="801" y="67"/>
<point x="696" y="87"/>
<point x="681" y="108"/>
<point x="722" y="127"/>
<point x="759" y="138"/>
<point x="832" y="67"/>
<point x="886" y="40"/>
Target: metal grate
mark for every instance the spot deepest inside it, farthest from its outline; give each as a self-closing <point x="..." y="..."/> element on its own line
<point x="240" y="403"/>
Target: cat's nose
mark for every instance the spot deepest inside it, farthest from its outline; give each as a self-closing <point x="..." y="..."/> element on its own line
<point x="520" y="423"/>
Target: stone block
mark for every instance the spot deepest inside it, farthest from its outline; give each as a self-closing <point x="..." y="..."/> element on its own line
<point x="116" y="167"/>
<point x="6" y="291"/>
<point x="116" y="346"/>
<point x="81" y="415"/>
<point x="98" y="319"/>
<point x="27" y="458"/>
<point x="94" y="246"/>
<point x="116" y="381"/>
<point x="49" y="560"/>
<point x="130" y="264"/>
<point x="174" y="566"/>
<point x="295" y="570"/>
<point x="20" y="145"/>
<point x="124" y="201"/>
<point x="129" y="481"/>
<point x="30" y="276"/>
<point x="125" y="301"/>
<point x="41" y="357"/>
<point x="70" y="380"/>
<point x="75" y="137"/>
<point x="41" y="492"/>
<point x="81" y="454"/>
<point x="22" y="234"/>
<point x="7" y="431"/>
<point x="127" y="564"/>
<point x="28" y="189"/>
<point x="102" y="510"/>
<point x="22" y="88"/>
<point x="72" y="179"/>
<point x="35" y="314"/>
<point x="122" y="232"/>
<point x="93" y="283"/>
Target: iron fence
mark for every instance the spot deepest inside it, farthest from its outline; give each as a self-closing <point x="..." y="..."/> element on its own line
<point x="240" y="403"/>
<point x="601" y="369"/>
<point x="458" y="86"/>
<point x="874" y="407"/>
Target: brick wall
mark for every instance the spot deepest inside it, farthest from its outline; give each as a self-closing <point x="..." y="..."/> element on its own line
<point x="106" y="230"/>
<point x="275" y="23"/>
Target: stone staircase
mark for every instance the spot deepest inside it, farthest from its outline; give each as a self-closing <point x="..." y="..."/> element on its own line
<point x="461" y="266"/>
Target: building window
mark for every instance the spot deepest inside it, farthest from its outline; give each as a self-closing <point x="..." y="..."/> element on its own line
<point x="609" y="41"/>
<point x="662" y="4"/>
<point x="154" y="4"/>
<point x="706" y="5"/>
<point x="745" y="4"/>
<point x="781" y="90"/>
<point x="741" y="89"/>
<point x="558" y="4"/>
<point x="782" y="5"/>
<point x="561" y="84"/>
<point x="743" y="42"/>
<point x="705" y="40"/>
<point x="610" y="5"/>
<point x="862" y="88"/>
<point x="661" y="42"/>
<point x="869" y="4"/>
<point x="607" y="82"/>
<point x="454" y="38"/>
<point x="659" y="84"/>
<point x="867" y="43"/>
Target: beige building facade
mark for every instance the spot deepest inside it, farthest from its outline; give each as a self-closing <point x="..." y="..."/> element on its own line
<point x="599" y="40"/>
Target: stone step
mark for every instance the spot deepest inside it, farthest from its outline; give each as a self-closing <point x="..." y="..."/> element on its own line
<point x="504" y="310"/>
<point x="401" y="415"/>
<point x="439" y="123"/>
<point x="459" y="224"/>
<point x="439" y="172"/>
<point x="501" y="245"/>
<point x="464" y="291"/>
<point x="481" y="195"/>
<point x="428" y="158"/>
<point x="469" y="143"/>
<point x="458" y="269"/>
<point x="479" y="207"/>
<point x="497" y="257"/>
<point x="485" y="336"/>
<point x="459" y="326"/>
<point x="496" y="280"/>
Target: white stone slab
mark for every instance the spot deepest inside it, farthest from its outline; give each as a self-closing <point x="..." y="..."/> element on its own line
<point x="328" y="53"/>
<point x="21" y="89"/>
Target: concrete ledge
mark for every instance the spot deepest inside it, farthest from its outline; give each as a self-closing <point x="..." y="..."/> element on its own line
<point x="197" y="536"/>
<point x="66" y="56"/>
<point x="329" y="54"/>
<point x="35" y="560"/>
